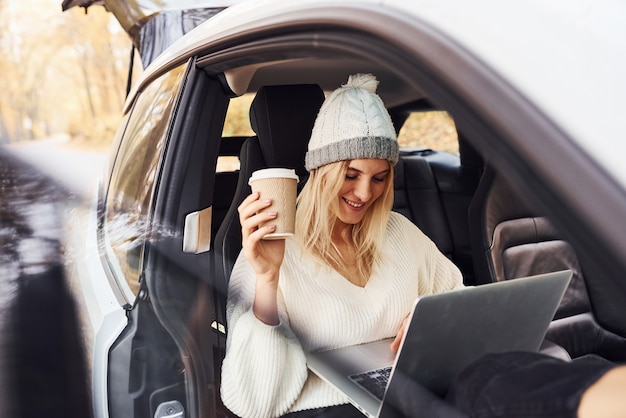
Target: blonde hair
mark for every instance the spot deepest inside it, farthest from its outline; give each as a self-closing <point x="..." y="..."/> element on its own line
<point x="316" y="215"/>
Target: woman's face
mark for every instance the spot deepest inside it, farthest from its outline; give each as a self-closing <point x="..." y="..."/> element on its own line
<point x="364" y="183"/>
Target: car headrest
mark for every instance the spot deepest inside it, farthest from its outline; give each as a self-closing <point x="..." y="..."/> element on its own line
<point x="283" y="118"/>
<point x="503" y="203"/>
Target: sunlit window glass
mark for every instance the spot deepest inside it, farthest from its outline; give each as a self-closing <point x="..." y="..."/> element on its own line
<point x="134" y="173"/>
<point x="435" y="130"/>
<point x="237" y="124"/>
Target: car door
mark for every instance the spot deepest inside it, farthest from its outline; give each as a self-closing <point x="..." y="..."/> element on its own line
<point x="158" y="364"/>
<point x="124" y="227"/>
<point x="176" y="282"/>
<point x="137" y="363"/>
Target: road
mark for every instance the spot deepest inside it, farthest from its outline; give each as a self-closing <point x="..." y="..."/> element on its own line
<point x="75" y="169"/>
<point x="42" y="368"/>
<point x="41" y="183"/>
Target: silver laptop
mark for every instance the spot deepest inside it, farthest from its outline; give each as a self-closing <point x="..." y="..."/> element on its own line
<point x="446" y="332"/>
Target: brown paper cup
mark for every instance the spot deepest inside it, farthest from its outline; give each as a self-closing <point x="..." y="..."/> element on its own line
<point x="280" y="185"/>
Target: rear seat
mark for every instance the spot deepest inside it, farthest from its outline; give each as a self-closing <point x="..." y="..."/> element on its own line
<point x="511" y="241"/>
<point x="417" y="197"/>
<point x="434" y="189"/>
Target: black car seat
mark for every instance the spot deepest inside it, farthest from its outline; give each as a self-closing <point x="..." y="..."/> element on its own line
<point x="416" y="196"/>
<point x="510" y="240"/>
<point x="282" y="117"/>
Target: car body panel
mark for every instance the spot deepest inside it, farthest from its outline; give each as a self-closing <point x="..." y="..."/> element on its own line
<point x="545" y="49"/>
<point x="102" y="314"/>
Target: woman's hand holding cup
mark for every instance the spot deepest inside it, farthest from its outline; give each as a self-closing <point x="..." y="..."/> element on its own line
<point x="265" y="256"/>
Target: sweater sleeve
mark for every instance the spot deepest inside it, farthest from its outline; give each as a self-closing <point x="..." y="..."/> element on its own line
<point x="264" y="369"/>
<point x="445" y="275"/>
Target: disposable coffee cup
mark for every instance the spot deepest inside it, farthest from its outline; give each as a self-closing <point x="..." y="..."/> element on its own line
<point x="280" y="185"/>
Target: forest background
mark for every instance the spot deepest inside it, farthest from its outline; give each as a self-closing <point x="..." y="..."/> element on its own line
<point x="62" y="73"/>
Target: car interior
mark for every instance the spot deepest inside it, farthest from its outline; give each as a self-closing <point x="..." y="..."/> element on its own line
<point x="474" y="216"/>
<point x="473" y="213"/>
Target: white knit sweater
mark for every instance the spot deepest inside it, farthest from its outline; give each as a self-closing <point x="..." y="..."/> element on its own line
<point x="264" y="373"/>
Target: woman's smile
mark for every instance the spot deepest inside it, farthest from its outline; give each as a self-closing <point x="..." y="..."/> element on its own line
<point x="352" y="204"/>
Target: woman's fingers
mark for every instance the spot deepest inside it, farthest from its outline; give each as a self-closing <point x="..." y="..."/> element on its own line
<point x="256" y="233"/>
<point x="249" y="199"/>
<point x="395" y="344"/>
<point x="256" y="222"/>
<point x="251" y="217"/>
<point x="258" y="225"/>
<point x="250" y="205"/>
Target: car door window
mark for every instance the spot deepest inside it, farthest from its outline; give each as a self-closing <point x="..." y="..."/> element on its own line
<point x="433" y="129"/>
<point x="237" y="124"/>
<point x="128" y="203"/>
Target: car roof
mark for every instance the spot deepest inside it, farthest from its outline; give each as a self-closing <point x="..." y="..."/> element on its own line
<point x="567" y="57"/>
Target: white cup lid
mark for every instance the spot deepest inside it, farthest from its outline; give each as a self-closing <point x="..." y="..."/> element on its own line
<point x="269" y="173"/>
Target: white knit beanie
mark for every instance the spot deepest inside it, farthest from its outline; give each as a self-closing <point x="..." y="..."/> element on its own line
<point x="352" y="124"/>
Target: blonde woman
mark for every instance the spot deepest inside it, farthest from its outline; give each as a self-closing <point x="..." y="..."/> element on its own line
<point x="350" y="276"/>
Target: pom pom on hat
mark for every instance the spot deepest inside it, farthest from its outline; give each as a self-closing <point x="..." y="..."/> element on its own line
<point x="362" y="81"/>
<point x="352" y="123"/>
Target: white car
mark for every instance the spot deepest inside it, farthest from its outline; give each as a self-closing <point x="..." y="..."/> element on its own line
<point x="533" y="92"/>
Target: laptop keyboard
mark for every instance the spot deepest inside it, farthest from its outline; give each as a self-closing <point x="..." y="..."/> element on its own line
<point x="373" y="381"/>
